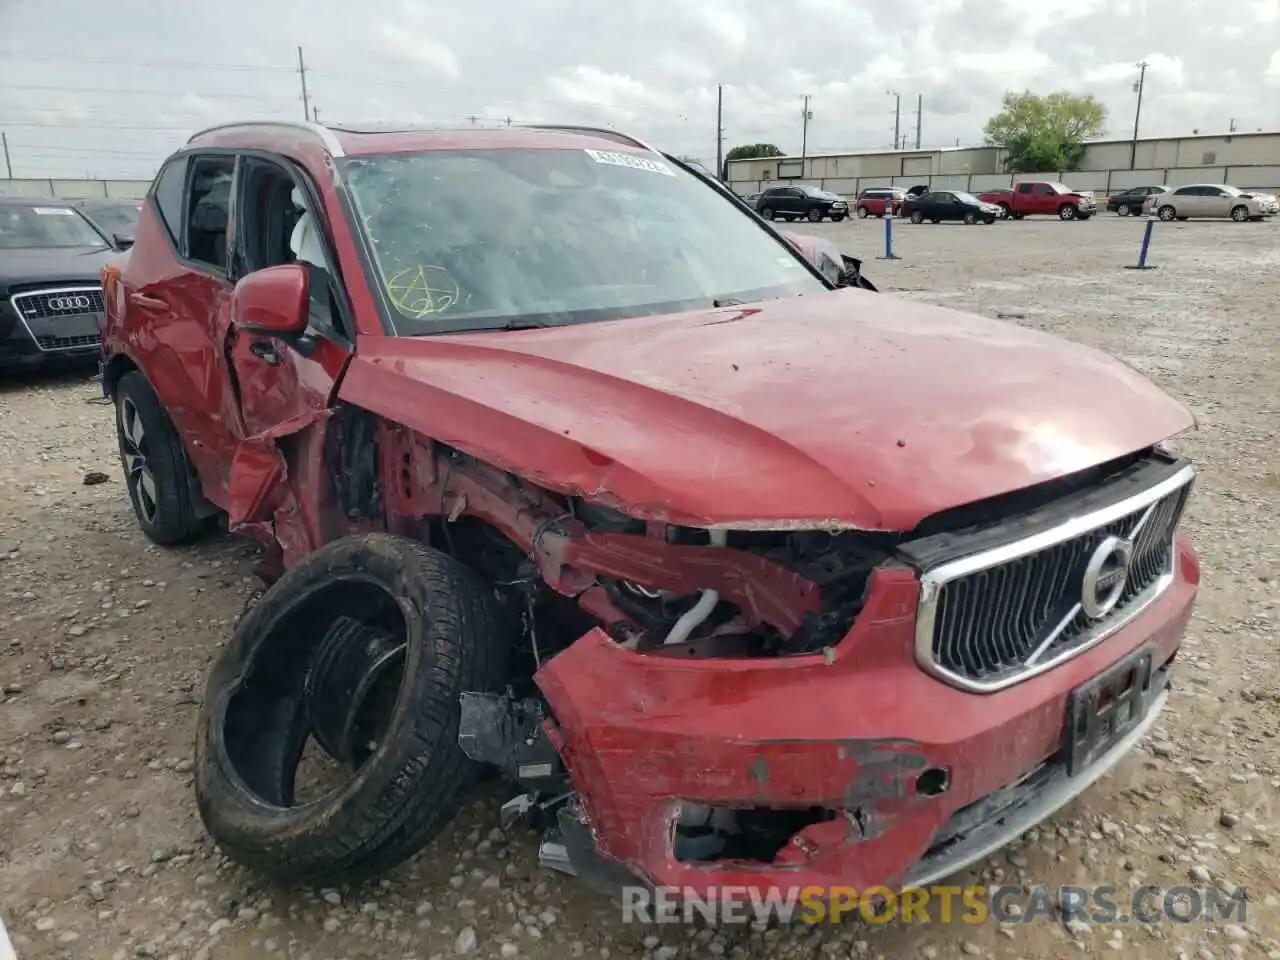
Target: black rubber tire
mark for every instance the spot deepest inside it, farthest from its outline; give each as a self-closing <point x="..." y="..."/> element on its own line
<point x="839" y="217"/>
<point x="1240" y="213"/>
<point x="813" y="215"/>
<point x="1122" y="210"/>
<point x="863" y="212"/>
<point x="1167" y="213"/>
<point x="970" y="218"/>
<point x="1067" y="211"/>
<point x="989" y="220"/>
<point x="412" y="786"/>
<point x="1008" y="210"/>
<point x="766" y="212"/>
<point x="175" y="519"/>
<point x="917" y="216"/>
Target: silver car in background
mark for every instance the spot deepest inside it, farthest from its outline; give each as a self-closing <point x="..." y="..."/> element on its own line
<point x="1212" y="200"/>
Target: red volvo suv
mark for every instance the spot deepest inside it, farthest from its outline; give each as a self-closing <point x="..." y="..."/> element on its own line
<point x="744" y="576"/>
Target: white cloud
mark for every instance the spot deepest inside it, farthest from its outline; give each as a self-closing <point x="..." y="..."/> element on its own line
<point x="417" y="46"/>
<point x="648" y="65"/>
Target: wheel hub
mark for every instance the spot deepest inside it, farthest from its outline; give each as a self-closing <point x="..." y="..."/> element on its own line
<point x="351" y="689"/>
<point x="138" y="474"/>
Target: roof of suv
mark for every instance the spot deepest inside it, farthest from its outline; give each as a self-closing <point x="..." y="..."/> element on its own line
<point x="357" y="139"/>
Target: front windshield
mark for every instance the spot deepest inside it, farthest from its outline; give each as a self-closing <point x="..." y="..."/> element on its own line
<point x="1060" y="188"/>
<point x="475" y="239"/>
<point x="1233" y="191"/>
<point x="965" y="197"/>
<point x="34" y="227"/>
<point x="117" y="218"/>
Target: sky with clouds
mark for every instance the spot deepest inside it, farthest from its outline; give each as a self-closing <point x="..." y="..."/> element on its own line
<point x="108" y="89"/>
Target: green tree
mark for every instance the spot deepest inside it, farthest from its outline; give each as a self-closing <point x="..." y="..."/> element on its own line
<point x="1045" y="133"/>
<point x="749" y="151"/>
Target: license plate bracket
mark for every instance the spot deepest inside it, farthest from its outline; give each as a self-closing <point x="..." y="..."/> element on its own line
<point x="1104" y="710"/>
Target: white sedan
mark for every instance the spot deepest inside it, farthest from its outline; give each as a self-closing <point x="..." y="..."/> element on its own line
<point x="1212" y="200"/>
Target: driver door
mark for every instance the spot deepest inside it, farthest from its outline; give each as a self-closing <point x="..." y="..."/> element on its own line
<point x="284" y="387"/>
<point x="1215" y="202"/>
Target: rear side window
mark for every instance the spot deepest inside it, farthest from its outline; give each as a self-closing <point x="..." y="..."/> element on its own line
<point x="168" y="194"/>
<point x="209" y="210"/>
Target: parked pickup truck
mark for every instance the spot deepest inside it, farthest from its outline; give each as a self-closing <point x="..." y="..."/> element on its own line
<point x="1036" y="197"/>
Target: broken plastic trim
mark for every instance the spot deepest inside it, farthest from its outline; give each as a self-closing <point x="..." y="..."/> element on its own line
<point x="706" y="834"/>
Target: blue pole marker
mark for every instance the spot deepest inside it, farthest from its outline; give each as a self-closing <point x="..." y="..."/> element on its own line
<point x="1146" y="246"/>
<point x="888" y="232"/>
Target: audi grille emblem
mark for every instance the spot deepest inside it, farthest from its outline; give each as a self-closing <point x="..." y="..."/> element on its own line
<point x="70" y="303"/>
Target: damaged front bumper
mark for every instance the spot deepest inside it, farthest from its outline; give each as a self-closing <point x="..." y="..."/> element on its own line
<point x="867" y="770"/>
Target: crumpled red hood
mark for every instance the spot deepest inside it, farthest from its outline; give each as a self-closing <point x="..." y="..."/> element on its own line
<point x="845" y="408"/>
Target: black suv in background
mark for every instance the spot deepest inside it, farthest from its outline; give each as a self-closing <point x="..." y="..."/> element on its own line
<point x="51" y="259"/>
<point x="799" y="200"/>
<point x="1132" y="199"/>
<point x="118" y="219"/>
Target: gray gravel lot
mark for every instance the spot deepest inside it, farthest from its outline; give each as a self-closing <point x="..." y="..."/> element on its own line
<point x="104" y="642"/>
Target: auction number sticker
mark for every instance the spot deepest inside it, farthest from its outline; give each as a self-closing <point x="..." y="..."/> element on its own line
<point x="630" y="160"/>
<point x="54" y="212"/>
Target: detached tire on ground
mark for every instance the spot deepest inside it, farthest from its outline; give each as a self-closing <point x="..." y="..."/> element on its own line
<point x="261" y="706"/>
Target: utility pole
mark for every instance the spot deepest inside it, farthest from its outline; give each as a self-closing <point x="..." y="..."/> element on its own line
<point x="474" y="119"/>
<point x="806" y="116"/>
<point x="720" y="132"/>
<point x="897" y="117"/>
<point x="8" y="167"/>
<point x="1232" y="127"/>
<point x="302" y="72"/>
<point x="919" y="116"/>
<point x="1137" y="114"/>
<point x="315" y="114"/>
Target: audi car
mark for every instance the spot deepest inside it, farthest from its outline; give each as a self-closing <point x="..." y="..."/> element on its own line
<point x="51" y="258"/>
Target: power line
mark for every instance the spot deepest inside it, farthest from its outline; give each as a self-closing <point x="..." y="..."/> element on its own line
<point x="162" y="63"/>
<point x="119" y="91"/>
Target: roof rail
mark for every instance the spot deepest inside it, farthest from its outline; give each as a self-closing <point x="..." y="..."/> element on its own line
<point x="599" y="131"/>
<point x="324" y="134"/>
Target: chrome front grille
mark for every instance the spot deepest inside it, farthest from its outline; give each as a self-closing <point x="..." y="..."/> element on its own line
<point x="1000" y="616"/>
<point x="51" y="303"/>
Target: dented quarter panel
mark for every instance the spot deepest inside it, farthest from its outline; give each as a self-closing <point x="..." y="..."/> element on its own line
<point x="800" y="731"/>
<point x="848" y="407"/>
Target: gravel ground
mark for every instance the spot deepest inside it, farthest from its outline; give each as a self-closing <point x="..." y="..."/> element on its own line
<point x="105" y="640"/>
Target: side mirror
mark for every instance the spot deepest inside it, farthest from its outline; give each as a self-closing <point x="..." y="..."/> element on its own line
<point x="274" y="301"/>
<point x="122" y="241"/>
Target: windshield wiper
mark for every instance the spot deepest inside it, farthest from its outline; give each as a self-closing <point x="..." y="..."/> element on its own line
<point x="524" y="323"/>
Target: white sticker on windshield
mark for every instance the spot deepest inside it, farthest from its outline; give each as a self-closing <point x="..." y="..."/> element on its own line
<point x="630" y="160"/>
<point x="54" y="211"/>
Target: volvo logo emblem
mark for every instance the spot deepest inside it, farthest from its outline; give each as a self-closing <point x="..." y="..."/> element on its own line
<point x="80" y="302"/>
<point x="1105" y="577"/>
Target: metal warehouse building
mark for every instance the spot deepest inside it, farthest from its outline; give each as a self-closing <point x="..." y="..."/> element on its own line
<point x="1248" y="160"/>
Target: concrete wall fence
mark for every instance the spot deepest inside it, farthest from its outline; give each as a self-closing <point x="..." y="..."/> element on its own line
<point x="1101" y="182"/>
<point x="75" y="189"/>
